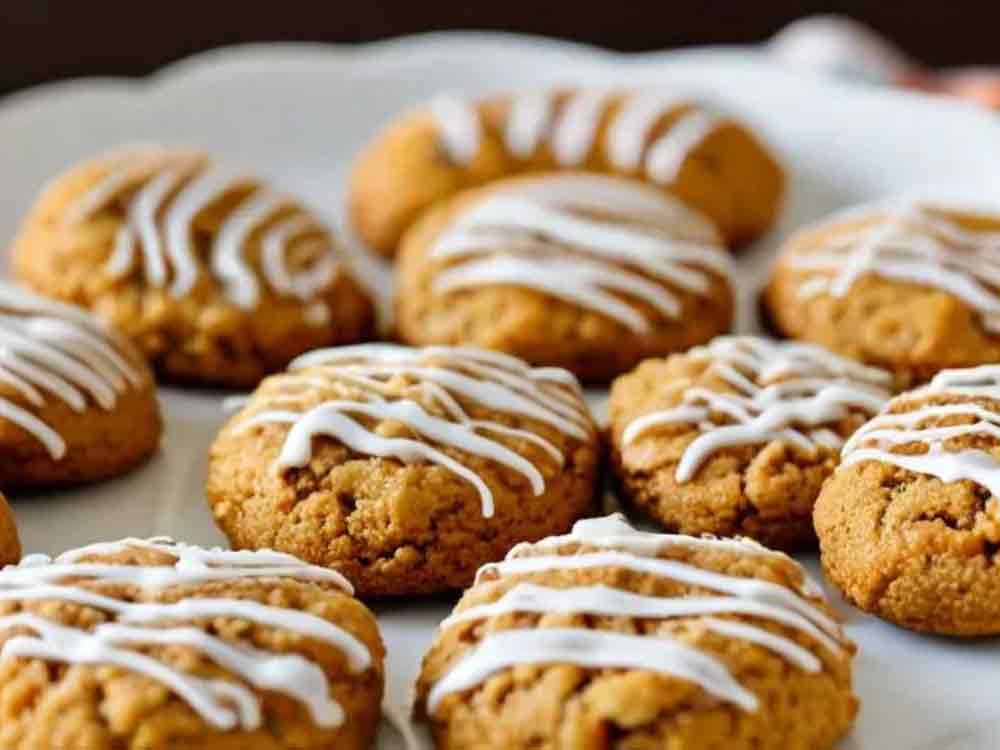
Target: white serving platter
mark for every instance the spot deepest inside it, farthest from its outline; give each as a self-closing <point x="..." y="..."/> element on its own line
<point x="298" y="113"/>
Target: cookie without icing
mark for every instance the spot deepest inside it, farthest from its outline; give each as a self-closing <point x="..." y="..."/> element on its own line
<point x="706" y="158"/>
<point x="911" y="288"/>
<point x="219" y="278"/>
<point x="10" y="542"/>
<point x="613" y="637"/>
<point x="582" y="271"/>
<point x="737" y="437"/>
<point x="909" y="525"/>
<point x="158" y="645"/>
<point x="405" y="469"/>
<point x="77" y="401"/>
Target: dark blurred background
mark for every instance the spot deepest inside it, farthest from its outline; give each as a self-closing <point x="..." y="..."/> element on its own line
<point x="44" y="40"/>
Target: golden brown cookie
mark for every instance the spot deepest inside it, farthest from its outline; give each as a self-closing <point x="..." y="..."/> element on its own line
<point x="157" y="645"/>
<point x="405" y="469"/>
<point x="218" y="277"/>
<point x="586" y="272"/>
<point x="77" y="401"/>
<point x="610" y="637"/>
<point x="909" y="525"/>
<point x="708" y="159"/>
<point x="737" y="437"/>
<point x="10" y="542"/>
<point x="911" y="288"/>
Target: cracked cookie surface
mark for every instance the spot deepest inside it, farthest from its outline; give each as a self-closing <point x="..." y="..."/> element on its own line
<point x="737" y="437"/>
<point x="405" y="469"/>
<point x="609" y="637"/>
<point x="909" y="525"/>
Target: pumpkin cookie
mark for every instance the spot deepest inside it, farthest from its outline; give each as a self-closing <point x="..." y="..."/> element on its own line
<point x="677" y="144"/>
<point x="587" y="272"/>
<point x="911" y="288"/>
<point x="77" y="401"/>
<point x="10" y="542"/>
<point x="614" y="637"/>
<point x="157" y="645"/>
<point x="909" y="525"/>
<point x="406" y="469"/>
<point x="737" y="437"/>
<point x="218" y="278"/>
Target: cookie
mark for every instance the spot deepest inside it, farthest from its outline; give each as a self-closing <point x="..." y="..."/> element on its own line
<point x="675" y="143"/>
<point x="737" y="437"/>
<point x="77" y="401"/>
<point x="909" y="525"/>
<point x="405" y="469"/>
<point x="158" y="645"/>
<point x="911" y="288"/>
<point x="586" y="272"/>
<point x="611" y="637"/>
<point x="10" y="542"/>
<point x="218" y="277"/>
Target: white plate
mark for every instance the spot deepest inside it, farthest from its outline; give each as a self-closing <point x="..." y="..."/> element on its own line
<point x="299" y="113"/>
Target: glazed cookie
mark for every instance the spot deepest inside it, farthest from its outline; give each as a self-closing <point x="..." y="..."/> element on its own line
<point x="674" y="143"/>
<point x="157" y="645"/>
<point x="10" y="542"/>
<point x="219" y="278"/>
<point x="610" y="637"/>
<point x="909" y="525"/>
<point x="77" y="401"/>
<point x="910" y="288"/>
<point x="581" y="271"/>
<point x="737" y="437"/>
<point x="406" y="469"/>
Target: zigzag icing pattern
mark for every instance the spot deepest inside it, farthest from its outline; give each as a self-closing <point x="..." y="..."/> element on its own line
<point x="570" y="129"/>
<point x="224" y="704"/>
<point x="914" y="419"/>
<point x="166" y="190"/>
<point x="440" y="381"/>
<point x="910" y="244"/>
<point x="49" y="350"/>
<point x="784" y="391"/>
<point x="620" y="546"/>
<point x="538" y="235"/>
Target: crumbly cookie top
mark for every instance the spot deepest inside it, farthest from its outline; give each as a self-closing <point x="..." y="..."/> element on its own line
<point x="49" y="350"/>
<point x="569" y="123"/>
<point x="129" y="581"/>
<point x="756" y="391"/>
<point x="547" y="582"/>
<point x="600" y="243"/>
<point x="949" y="429"/>
<point x="184" y="218"/>
<point x="430" y="405"/>
<point x="913" y="243"/>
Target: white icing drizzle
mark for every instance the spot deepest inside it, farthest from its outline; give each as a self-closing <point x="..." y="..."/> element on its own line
<point x="910" y="243"/>
<point x="359" y="379"/>
<point x="524" y="236"/>
<point x="167" y="190"/>
<point x="571" y="129"/>
<point x="223" y="704"/>
<point x="784" y="391"/>
<point x="48" y="349"/>
<point x="977" y="394"/>
<point x="636" y="551"/>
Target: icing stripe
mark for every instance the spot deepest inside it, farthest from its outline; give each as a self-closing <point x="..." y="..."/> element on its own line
<point x="225" y="705"/>
<point x="913" y="245"/>
<point x="168" y="190"/>
<point x="590" y="647"/>
<point x="522" y="237"/>
<point x="361" y="383"/>
<point x="51" y="349"/>
<point x="781" y="391"/>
